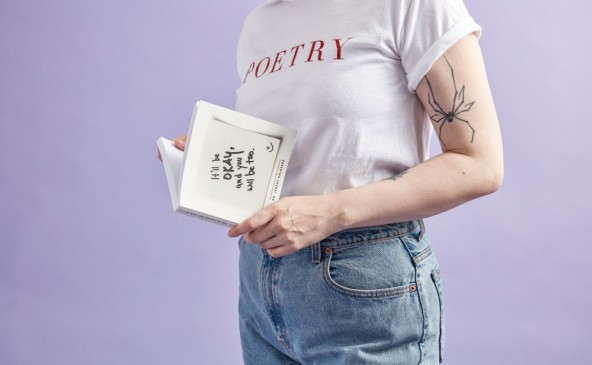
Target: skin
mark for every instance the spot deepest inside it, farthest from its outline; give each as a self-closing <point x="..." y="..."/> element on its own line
<point x="470" y="166"/>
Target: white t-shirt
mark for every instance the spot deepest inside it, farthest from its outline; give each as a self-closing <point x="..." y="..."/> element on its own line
<point x="343" y="73"/>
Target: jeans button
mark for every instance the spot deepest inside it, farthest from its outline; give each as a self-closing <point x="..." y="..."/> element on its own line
<point x="413" y="287"/>
<point x="328" y="251"/>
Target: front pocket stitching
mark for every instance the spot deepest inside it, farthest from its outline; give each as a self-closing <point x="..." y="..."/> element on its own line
<point x="364" y="293"/>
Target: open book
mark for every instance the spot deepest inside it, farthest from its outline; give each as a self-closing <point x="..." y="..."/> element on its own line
<point x="233" y="165"/>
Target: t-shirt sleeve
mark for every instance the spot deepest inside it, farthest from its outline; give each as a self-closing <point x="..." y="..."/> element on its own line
<point x="429" y="29"/>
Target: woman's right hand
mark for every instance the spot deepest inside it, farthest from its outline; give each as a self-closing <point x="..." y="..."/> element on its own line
<point x="179" y="143"/>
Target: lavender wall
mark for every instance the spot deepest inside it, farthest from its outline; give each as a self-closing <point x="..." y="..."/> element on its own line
<point x="96" y="269"/>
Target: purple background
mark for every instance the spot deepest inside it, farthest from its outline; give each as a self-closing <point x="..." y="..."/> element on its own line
<point x="96" y="269"/>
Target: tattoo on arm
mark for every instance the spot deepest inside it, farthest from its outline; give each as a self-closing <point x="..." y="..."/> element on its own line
<point x="459" y="106"/>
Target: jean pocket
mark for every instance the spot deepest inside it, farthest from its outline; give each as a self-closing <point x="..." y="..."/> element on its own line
<point x="371" y="270"/>
<point x="438" y="284"/>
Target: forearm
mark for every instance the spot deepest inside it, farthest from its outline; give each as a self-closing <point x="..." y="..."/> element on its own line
<point x="427" y="189"/>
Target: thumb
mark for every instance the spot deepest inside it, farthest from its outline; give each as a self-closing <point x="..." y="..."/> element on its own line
<point x="180" y="144"/>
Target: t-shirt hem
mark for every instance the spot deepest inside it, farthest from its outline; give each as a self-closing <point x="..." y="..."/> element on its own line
<point x="463" y="28"/>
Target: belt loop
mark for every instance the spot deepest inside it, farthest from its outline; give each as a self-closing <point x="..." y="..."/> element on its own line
<point x="422" y="229"/>
<point x="316" y="253"/>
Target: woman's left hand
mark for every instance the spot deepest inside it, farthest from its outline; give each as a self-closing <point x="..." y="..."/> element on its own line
<point x="290" y="224"/>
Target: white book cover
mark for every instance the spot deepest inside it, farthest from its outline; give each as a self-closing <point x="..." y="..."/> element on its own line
<point x="233" y="164"/>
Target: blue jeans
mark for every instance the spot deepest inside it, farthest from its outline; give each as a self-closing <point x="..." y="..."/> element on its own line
<point x="361" y="296"/>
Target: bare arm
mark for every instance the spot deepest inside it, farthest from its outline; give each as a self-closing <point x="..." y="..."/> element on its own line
<point x="456" y="95"/>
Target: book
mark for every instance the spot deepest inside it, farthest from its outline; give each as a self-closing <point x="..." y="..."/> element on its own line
<point x="233" y="164"/>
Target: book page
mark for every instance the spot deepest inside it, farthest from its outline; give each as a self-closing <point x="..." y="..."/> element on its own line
<point x="233" y="170"/>
<point x="172" y="159"/>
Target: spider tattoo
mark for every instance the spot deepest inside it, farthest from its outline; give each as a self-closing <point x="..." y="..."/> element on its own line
<point x="458" y="107"/>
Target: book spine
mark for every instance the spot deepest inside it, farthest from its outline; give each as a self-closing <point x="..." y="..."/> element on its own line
<point x="275" y="188"/>
<point x="206" y="217"/>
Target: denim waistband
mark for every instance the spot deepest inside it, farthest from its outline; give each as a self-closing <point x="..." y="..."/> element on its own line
<point x="355" y="236"/>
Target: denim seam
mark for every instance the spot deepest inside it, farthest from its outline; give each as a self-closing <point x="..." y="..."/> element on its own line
<point x="275" y="312"/>
<point x="424" y="314"/>
<point x="267" y="288"/>
<point x="436" y="279"/>
<point x="418" y="278"/>
<point x="419" y="258"/>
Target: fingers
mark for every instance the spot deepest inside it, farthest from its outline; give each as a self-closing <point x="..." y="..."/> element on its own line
<point x="281" y="251"/>
<point x="180" y="142"/>
<point x="271" y="243"/>
<point x="249" y="227"/>
<point x="285" y="226"/>
<point x="270" y="236"/>
<point x="278" y="246"/>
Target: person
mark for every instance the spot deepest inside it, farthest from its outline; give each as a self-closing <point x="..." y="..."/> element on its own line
<point x="339" y="271"/>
